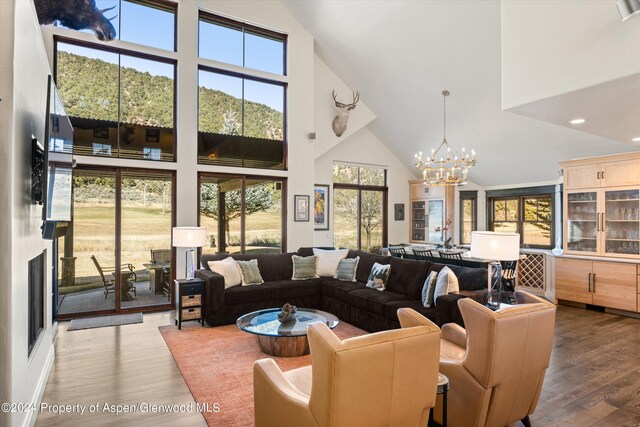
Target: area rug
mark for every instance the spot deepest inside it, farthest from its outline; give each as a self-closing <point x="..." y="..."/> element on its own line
<point x="217" y="365"/>
<point x="104" y="321"/>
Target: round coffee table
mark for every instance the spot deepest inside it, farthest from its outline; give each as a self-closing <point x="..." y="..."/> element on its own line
<point x="284" y="339"/>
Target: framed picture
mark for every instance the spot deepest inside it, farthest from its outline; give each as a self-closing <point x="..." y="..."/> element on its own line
<point x="398" y="212"/>
<point x="321" y="207"/>
<point x="301" y="203"/>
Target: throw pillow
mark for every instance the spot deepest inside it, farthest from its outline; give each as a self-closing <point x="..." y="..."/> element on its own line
<point x="428" y="289"/>
<point x="446" y="283"/>
<point x="305" y="267"/>
<point x="328" y="260"/>
<point x="347" y="269"/>
<point x="379" y="276"/>
<point x="227" y="268"/>
<point x="250" y="272"/>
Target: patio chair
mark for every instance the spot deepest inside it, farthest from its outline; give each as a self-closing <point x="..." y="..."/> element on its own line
<point x="166" y="282"/>
<point x="109" y="284"/>
<point x="159" y="256"/>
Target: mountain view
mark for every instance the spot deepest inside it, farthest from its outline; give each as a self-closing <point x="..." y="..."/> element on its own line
<point x="89" y="88"/>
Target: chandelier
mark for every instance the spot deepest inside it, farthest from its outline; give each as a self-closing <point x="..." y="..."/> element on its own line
<point x="450" y="168"/>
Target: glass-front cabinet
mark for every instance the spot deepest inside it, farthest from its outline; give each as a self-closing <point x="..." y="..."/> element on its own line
<point x="621" y="222"/>
<point x="603" y="222"/>
<point x="582" y="226"/>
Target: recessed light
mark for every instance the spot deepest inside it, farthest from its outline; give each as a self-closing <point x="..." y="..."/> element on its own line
<point x="636" y="139"/>
<point x="577" y="121"/>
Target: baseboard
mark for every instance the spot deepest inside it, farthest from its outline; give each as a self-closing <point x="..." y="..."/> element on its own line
<point x="30" y="420"/>
<point x="572" y="304"/>
<point x="622" y="312"/>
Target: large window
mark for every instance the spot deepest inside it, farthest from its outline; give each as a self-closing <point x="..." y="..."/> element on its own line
<point x="468" y="215"/>
<point x="529" y="215"/>
<point x="241" y="121"/>
<point x="146" y="22"/>
<point x="237" y="43"/>
<point x="243" y="214"/>
<point x="120" y="105"/>
<point x="242" y="115"/>
<point x="360" y="207"/>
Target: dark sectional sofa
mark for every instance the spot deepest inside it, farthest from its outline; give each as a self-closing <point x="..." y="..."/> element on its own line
<point x="352" y="302"/>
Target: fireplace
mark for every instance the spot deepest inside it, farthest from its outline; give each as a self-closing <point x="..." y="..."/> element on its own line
<point x="37" y="282"/>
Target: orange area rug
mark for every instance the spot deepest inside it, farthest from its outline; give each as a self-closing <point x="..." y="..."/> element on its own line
<point x="217" y="365"/>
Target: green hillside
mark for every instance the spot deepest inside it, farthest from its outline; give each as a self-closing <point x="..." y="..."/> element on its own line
<point x="89" y="88"/>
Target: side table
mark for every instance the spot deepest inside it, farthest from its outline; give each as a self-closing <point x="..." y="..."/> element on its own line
<point x="189" y="301"/>
<point x="443" y="388"/>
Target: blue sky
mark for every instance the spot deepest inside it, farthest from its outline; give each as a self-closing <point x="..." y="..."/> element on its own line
<point x="153" y="27"/>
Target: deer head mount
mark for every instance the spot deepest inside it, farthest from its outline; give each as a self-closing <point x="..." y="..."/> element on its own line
<point x="77" y="15"/>
<point x="339" y="123"/>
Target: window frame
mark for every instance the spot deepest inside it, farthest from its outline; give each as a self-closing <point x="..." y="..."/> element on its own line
<point x="244" y="76"/>
<point x="384" y="189"/>
<point x="471" y="196"/>
<point x="521" y="194"/>
<point x="244" y="178"/>
<point x="136" y="54"/>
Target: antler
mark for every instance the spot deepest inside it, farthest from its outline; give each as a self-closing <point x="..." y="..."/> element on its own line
<point x="356" y="98"/>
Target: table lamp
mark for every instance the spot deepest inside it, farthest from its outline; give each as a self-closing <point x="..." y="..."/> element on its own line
<point x="189" y="238"/>
<point x="496" y="247"/>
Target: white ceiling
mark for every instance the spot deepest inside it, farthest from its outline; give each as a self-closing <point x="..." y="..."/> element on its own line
<point x="400" y="55"/>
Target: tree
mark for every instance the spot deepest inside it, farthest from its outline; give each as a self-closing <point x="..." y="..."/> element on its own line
<point x="258" y="198"/>
<point x="369" y="212"/>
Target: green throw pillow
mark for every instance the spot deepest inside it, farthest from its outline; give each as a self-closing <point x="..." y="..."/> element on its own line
<point x="379" y="276"/>
<point x="347" y="269"/>
<point x="305" y="267"/>
<point x="428" y="289"/>
<point x="250" y="272"/>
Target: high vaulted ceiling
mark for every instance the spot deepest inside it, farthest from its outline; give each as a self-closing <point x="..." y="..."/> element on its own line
<point x="400" y="55"/>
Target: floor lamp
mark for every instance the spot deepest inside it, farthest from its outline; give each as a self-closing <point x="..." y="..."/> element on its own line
<point x="189" y="238"/>
<point x="495" y="247"/>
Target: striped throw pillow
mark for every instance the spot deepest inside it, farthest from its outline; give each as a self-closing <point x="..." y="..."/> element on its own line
<point x="347" y="269"/>
<point x="250" y="272"/>
<point x="305" y="267"/>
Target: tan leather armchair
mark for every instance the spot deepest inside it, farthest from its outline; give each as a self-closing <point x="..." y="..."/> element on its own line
<point x="384" y="379"/>
<point x="496" y="366"/>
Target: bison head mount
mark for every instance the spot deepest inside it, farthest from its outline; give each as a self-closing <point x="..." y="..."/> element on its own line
<point x="77" y="15"/>
<point x="339" y="123"/>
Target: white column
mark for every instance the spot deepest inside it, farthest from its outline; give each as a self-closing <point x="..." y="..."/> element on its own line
<point x="187" y="124"/>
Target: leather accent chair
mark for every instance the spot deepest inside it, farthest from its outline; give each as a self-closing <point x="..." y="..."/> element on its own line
<point x="387" y="378"/>
<point x="496" y="366"/>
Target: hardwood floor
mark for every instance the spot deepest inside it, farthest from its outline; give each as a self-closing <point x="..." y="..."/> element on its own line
<point x="594" y="377"/>
<point x="120" y="365"/>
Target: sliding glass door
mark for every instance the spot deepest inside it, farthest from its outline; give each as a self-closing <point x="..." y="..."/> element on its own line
<point x="243" y="214"/>
<point x="116" y="254"/>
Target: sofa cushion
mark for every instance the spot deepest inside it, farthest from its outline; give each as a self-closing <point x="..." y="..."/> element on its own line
<point x="407" y="276"/>
<point x="227" y="268"/>
<point x="391" y="309"/>
<point x="367" y="260"/>
<point x="373" y="300"/>
<point x="328" y="260"/>
<point x="244" y="294"/>
<point x="347" y="269"/>
<point x="338" y="289"/>
<point x="469" y="279"/>
<point x="250" y="272"/>
<point x="304" y="267"/>
<point x="272" y="267"/>
<point x="284" y="289"/>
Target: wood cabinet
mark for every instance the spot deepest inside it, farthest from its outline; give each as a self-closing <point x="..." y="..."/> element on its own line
<point x="612" y="171"/>
<point x="602" y="283"/>
<point x="189" y="301"/>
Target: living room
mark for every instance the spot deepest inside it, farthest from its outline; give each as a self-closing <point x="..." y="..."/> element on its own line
<point x="377" y="140"/>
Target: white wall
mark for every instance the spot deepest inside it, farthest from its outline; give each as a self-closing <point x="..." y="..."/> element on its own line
<point x="554" y="47"/>
<point x="24" y="101"/>
<point x="363" y="147"/>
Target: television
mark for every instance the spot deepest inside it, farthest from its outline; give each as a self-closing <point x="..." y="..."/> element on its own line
<point x="58" y="149"/>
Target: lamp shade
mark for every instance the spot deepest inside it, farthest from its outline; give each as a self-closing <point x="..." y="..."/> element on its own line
<point x="495" y="246"/>
<point x="189" y="237"/>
